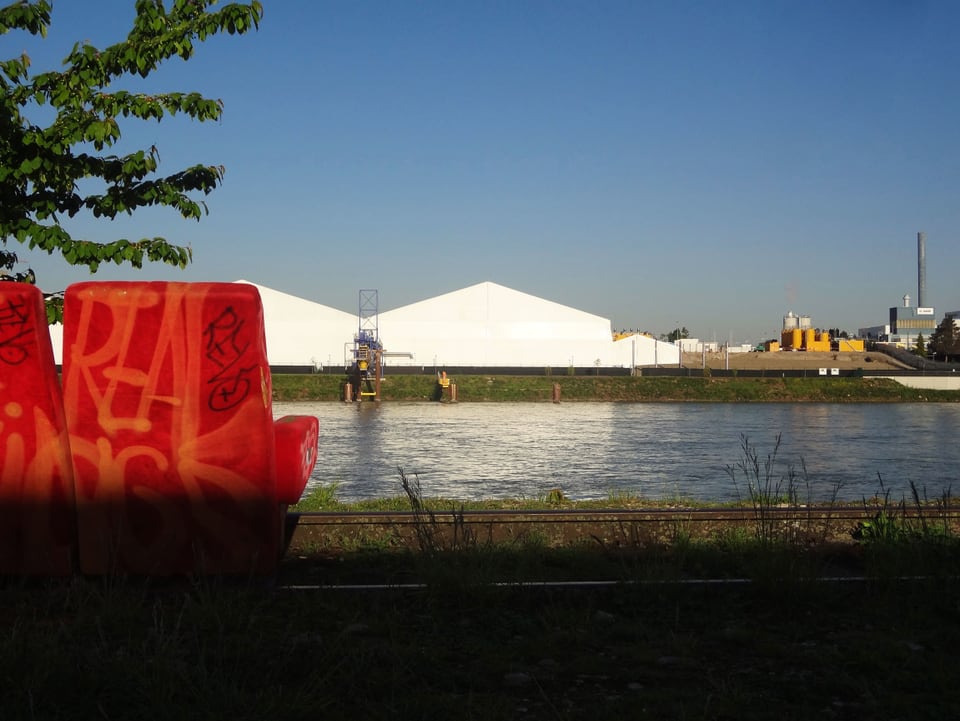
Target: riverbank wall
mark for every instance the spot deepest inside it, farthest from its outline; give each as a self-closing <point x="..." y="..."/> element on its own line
<point x="694" y="385"/>
<point x="937" y="383"/>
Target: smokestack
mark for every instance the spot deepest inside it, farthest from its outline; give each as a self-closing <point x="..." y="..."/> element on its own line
<point x="921" y="270"/>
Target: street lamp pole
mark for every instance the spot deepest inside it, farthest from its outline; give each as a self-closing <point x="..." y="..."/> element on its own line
<point x="679" y="347"/>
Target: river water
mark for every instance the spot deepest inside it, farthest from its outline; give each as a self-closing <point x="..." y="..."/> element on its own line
<point x="470" y="451"/>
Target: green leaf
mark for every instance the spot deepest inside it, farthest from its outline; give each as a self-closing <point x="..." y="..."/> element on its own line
<point x="43" y="167"/>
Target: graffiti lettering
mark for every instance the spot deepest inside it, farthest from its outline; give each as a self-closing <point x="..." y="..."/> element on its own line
<point x="226" y="348"/>
<point x="15" y="330"/>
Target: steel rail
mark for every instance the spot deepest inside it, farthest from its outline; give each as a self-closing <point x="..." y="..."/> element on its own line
<point x="313" y="526"/>
<point x="595" y="583"/>
<point x="561" y="516"/>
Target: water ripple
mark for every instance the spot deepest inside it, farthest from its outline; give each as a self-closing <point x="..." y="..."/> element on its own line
<point x="597" y="450"/>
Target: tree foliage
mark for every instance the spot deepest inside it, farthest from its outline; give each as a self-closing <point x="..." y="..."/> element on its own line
<point x="676" y="334"/>
<point x="920" y="348"/>
<point x="945" y="341"/>
<point x="41" y="167"/>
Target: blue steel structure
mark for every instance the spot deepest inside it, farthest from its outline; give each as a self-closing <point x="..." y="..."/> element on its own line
<point x="366" y="370"/>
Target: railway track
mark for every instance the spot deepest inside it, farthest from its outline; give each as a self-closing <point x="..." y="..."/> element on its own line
<point x="615" y="526"/>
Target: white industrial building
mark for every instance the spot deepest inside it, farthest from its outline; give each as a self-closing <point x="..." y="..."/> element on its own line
<point x="489" y="325"/>
<point x="483" y="325"/>
<point x="303" y="333"/>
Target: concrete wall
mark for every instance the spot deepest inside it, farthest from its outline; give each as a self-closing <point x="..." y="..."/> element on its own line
<point x="933" y="383"/>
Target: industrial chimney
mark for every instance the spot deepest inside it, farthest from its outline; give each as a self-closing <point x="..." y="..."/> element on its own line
<point x="921" y="270"/>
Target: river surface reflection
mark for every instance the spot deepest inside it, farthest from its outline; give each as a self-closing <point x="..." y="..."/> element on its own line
<point x="657" y="450"/>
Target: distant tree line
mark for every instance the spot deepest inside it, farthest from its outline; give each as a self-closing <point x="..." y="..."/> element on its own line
<point x="944" y="344"/>
<point x="675" y="335"/>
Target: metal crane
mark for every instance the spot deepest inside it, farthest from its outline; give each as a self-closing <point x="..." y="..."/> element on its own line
<point x="366" y="355"/>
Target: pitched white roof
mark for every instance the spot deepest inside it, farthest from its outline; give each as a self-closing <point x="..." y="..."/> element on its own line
<point x="503" y="311"/>
<point x="301" y="332"/>
<point x="490" y="325"/>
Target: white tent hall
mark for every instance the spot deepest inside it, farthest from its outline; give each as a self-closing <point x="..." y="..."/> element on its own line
<point x="490" y="325"/>
<point x="482" y="325"/>
<point x="303" y="333"/>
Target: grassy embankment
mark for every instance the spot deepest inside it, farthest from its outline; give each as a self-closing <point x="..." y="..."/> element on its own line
<point x="629" y="389"/>
<point x="774" y="641"/>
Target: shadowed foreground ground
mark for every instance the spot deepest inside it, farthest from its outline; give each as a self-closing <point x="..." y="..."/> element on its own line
<point x="659" y="645"/>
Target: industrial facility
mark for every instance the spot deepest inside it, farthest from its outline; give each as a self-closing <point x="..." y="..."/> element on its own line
<point x="907" y="322"/>
<point x="489" y="326"/>
<point x="481" y="326"/>
<point x="798" y="333"/>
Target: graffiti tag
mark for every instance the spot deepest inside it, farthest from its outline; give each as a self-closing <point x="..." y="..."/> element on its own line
<point x="226" y="348"/>
<point x="15" y="330"/>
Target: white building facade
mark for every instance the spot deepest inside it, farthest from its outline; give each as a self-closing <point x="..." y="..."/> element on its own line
<point x="483" y="325"/>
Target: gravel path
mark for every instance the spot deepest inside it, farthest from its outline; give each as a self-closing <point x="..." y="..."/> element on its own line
<point x="790" y="360"/>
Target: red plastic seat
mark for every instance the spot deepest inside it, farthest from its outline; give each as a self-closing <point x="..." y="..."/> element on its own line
<point x="180" y="467"/>
<point x="37" y="523"/>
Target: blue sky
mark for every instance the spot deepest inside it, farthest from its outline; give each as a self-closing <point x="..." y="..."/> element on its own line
<point x="708" y="164"/>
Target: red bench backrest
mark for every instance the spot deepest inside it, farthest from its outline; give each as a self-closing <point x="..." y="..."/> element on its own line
<point x="168" y="401"/>
<point x="37" y="526"/>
